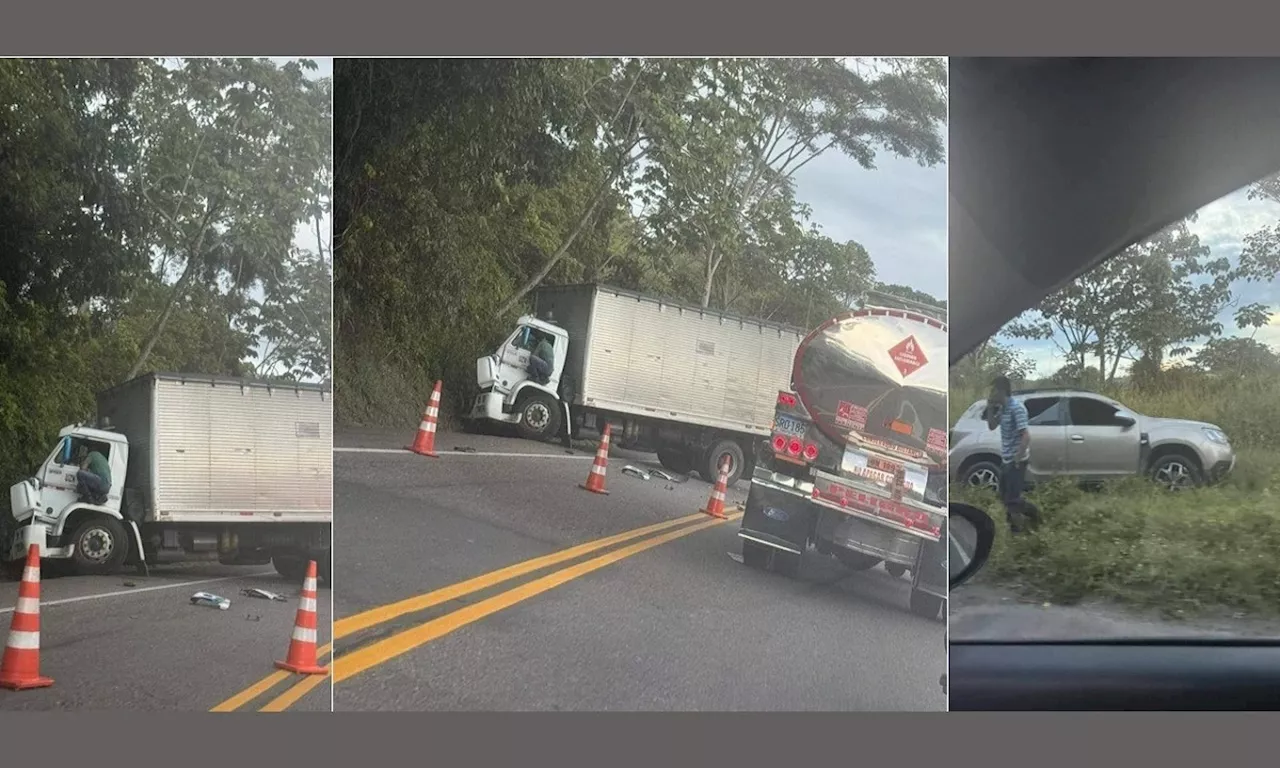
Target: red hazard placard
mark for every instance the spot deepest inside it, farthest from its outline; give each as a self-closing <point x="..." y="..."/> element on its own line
<point x="908" y="356"/>
<point x="937" y="441"/>
<point x="850" y="416"/>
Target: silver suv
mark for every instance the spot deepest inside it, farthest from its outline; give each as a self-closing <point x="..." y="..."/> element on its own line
<point x="1091" y="437"/>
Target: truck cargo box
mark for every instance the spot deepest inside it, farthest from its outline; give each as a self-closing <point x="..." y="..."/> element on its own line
<point x="634" y="354"/>
<point x="211" y="449"/>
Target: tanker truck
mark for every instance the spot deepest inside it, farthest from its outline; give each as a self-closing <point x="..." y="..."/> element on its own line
<point x="854" y="466"/>
<point x="201" y="468"/>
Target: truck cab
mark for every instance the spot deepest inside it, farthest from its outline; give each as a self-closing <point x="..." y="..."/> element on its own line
<point x="49" y="502"/>
<point x="508" y="392"/>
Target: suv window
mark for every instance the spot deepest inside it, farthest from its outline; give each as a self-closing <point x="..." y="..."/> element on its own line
<point x="1044" y="411"/>
<point x="1088" y="412"/>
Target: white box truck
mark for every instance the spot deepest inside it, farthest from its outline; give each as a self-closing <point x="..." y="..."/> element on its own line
<point x="696" y="386"/>
<point x="201" y="467"/>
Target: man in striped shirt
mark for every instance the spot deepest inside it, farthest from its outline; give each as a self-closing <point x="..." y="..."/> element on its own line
<point x="1008" y="413"/>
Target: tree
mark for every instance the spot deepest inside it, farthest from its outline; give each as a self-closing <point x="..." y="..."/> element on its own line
<point x="229" y="150"/>
<point x="1236" y="357"/>
<point x="69" y="229"/>
<point x="723" y="168"/>
<point x="1156" y="296"/>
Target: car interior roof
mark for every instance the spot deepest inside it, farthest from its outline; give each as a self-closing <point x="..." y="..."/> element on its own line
<point x="1057" y="164"/>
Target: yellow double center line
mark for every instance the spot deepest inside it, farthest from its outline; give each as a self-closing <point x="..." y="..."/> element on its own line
<point x="369" y="656"/>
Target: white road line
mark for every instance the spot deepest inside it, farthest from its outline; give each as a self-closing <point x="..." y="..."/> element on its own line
<point x="139" y="590"/>
<point x="407" y="452"/>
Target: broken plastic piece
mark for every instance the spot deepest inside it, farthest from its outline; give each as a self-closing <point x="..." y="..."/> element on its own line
<point x="263" y="594"/>
<point x="211" y="600"/>
<point x="635" y="471"/>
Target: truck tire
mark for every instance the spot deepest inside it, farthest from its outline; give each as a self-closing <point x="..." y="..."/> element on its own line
<point x="856" y="561"/>
<point x="101" y="545"/>
<point x="718" y="452"/>
<point x="926" y="605"/>
<point x="291" y="566"/>
<point x="675" y="460"/>
<point x="539" y="418"/>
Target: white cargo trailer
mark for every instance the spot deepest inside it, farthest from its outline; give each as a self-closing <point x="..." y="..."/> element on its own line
<point x="201" y="468"/>
<point x="694" y="385"/>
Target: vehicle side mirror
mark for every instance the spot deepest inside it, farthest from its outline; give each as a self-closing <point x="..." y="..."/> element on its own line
<point x="1125" y="419"/>
<point x="970" y="535"/>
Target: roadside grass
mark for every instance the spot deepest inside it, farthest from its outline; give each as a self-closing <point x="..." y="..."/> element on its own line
<point x="1186" y="553"/>
<point x="1192" y="553"/>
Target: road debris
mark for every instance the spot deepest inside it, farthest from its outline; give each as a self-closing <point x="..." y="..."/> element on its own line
<point x="263" y="594"/>
<point x="128" y="584"/>
<point x="635" y="471"/>
<point x="211" y="600"/>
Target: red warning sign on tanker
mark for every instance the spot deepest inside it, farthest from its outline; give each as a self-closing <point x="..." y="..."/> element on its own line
<point x="937" y="441"/>
<point x="908" y="356"/>
<point x="850" y="416"/>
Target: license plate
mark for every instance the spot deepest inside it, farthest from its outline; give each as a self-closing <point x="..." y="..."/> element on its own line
<point x="789" y="426"/>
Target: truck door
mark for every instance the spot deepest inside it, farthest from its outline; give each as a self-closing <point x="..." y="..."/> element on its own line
<point x="59" y="471"/>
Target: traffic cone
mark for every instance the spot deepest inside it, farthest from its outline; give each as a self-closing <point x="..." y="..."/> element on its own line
<point x="715" y="504"/>
<point x="425" y="443"/>
<point x="20" y="668"/>
<point x="595" y="480"/>
<point x="302" y="647"/>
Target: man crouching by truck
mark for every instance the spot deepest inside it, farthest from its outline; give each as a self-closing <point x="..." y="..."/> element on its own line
<point x="93" y="481"/>
<point x="1015" y="451"/>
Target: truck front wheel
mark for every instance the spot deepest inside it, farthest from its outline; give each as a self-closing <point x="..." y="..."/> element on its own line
<point x="539" y="418"/>
<point x="101" y="545"/>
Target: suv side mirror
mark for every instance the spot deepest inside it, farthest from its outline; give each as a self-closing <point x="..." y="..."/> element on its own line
<point x="1125" y="419"/>
<point x="970" y="535"/>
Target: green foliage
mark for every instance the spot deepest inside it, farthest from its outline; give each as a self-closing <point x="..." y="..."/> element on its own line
<point x="114" y="175"/>
<point x="464" y="184"/>
<point x="1189" y="553"/>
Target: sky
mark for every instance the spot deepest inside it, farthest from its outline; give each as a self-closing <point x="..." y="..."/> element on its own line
<point x="1222" y="225"/>
<point x="897" y="211"/>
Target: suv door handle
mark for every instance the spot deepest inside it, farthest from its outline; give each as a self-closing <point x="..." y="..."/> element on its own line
<point x="1077" y="438"/>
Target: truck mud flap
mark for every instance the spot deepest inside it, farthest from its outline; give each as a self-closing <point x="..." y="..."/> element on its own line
<point x="776" y="518"/>
<point x="930" y="573"/>
<point x="143" y="567"/>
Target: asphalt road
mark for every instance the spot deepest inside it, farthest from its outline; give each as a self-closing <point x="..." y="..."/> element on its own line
<point x="133" y="642"/>
<point x="662" y="620"/>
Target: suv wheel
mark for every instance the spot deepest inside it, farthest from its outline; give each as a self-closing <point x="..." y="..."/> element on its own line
<point x="983" y="474"/>
<point x="1176" y="472"/>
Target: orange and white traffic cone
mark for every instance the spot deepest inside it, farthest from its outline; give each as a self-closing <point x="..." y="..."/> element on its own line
<point x="20" y="668"/>
<point x="302" y="647"/>
<point x="595" y="480"/>
<point x="425" y="443"/>
<point x="715" y="504"/>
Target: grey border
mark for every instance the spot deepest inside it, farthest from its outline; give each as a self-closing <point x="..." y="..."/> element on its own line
<point x="583" y="27"/>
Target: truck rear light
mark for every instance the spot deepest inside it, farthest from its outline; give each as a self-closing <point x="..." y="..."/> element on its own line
<point x="899" y="426"/>
<point x="794" y="447"/>
<point x="779" y="443"/>
<point x="811" y="452"/>
<point x="787" y="399"/>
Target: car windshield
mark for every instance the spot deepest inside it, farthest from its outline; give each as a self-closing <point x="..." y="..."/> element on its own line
<point x="1152" y="385"/>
